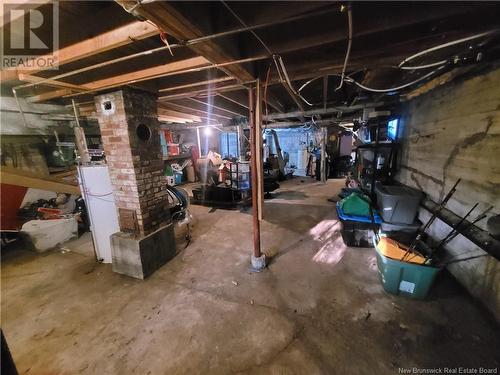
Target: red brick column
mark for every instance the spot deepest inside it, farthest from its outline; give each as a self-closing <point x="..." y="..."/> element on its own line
<point x="129" y="129"/>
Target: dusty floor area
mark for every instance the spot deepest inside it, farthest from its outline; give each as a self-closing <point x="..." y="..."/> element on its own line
<point x="318" y="309"/>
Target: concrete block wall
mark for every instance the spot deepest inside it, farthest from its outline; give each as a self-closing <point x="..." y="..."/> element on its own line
<point x="294" y="142"/>
<point x="135" y="164"/>
<point x="453" y="132"/>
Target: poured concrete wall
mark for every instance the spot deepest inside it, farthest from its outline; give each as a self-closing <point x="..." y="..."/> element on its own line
<point x="454" y="132"/>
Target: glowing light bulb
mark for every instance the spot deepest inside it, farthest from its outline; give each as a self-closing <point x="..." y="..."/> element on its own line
<point x="207" y="130"/>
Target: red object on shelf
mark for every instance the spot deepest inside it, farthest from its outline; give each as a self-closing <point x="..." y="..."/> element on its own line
<point x="173" y="149"/>
<point x="11" y="198"/>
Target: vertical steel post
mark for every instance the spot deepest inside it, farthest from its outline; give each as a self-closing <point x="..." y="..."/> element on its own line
<point x="323" y="154"/>
<point x="198" y="140"/>
<point x="254" y="174"/>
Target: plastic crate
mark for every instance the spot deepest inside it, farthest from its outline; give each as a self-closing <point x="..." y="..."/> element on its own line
<point x="402" y="278"/>
<point x="398" y="204"/>
<point x="358" y="233"/>
<point x="363" y="219"/>
<point x="404" y="233"/>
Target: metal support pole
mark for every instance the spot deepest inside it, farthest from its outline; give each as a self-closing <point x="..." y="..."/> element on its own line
<point x="258" y="147"/>
<point x="239" y="129"/>
<point x="323" y="154"/>
<point x="198" y="140"/>
<point x="258" y="261"/>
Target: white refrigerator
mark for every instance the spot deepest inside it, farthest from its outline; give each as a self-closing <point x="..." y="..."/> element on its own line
<point x="97" y="191"/>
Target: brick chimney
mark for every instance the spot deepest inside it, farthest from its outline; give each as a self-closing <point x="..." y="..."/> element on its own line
<point x="129" y="130"/>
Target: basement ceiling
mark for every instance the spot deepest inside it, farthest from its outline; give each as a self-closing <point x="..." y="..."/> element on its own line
<point x="310" y="38"/>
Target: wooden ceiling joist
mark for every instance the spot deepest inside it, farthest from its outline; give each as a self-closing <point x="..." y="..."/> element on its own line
<point x="201" y="83"/>
<point x="172" y="113"/>
<point x="149" y="73"/>
<point x="175" y="24"/>
<point x="33" y="79"/>
<point x="143" y="75"/>
<point x="211" y="105"/>
<point x="101" y="43"/>
<point x="233" y="100"/>
<point x="177" y="120"/>
<point x="48" y="96"/>
<point x="206" y="90"/>
<point x="193" y="111"/>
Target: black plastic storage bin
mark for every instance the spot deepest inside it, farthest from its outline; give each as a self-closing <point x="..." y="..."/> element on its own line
<point x="404" y="233"/>
<point x="398" y="204"/>
<point x="357" y="233"/>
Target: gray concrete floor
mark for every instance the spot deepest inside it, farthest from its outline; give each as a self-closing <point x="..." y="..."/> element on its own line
<point x="318" y="309"/>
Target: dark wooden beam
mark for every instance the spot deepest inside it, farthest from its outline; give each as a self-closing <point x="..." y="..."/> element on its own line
<point x="175" y="24"/>
<point x="193" y="111"/>
<point x="319" y="111"/>
<point x="212" y="105"/>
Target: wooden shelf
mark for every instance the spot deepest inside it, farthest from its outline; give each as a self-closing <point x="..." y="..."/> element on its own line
<point x="177" y="157"/>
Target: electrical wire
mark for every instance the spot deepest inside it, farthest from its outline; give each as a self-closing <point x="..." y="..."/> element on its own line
<point x="426" y="66"/>
<point x="349" y="45"/>
<point x="440" y="63"/>
<point x="163" y="37"/>
<point x="350" y="80"/>
<point x="281" y="64"/>
<point x="245" y="25"/>
<point x="444" y="45"/>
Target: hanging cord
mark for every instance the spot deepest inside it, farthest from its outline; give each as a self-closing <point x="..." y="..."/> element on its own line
<point x="245" y="25"/>
<point x="441" y="46"/>
<point x="350" y="80"/>
<point x="163" y="35"/>
<point x="280" y="65"/>
<point x="401" y="65"/>
<point x="349" y="45"/>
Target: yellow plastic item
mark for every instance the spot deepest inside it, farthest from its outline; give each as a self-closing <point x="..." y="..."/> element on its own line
<point x="393" y="249"/>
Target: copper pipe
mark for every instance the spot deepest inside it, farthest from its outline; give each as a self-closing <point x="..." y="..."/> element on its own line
<point x="253" y="174"/>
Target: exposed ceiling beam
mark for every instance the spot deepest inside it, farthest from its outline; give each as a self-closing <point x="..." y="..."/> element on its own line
<point x="201" y="83"/>
<point x="29" y="78"/>
<point x="217" y="107"/>
<point x="172" y="113"/>
<point x="320" y="111"/>
<point x="178" y="120"/>
<point x="372" y="25"/>
<point x="48" y="95"/>
<point x="101" y="43"/>
<point x="175" y="24"/>
<point x="232" y="100"/>
<point x="197" y="112"/>
<point x="143" y="75"/>
<point x="206" y="90"/>
<point x="148" y="73"/>
<point x="202" y="39"/>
